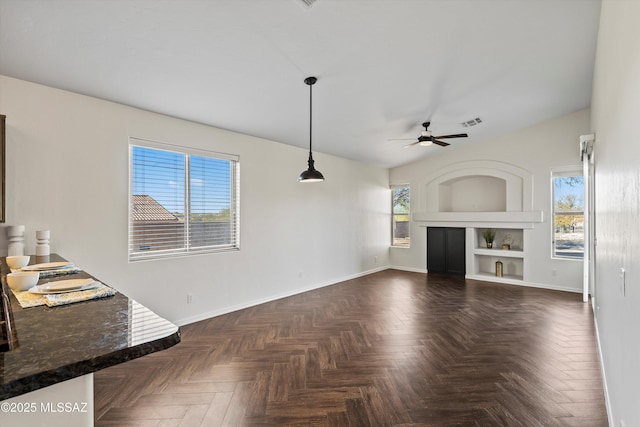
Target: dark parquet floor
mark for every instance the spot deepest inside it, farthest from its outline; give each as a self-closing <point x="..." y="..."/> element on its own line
<point x="392" y="348"/>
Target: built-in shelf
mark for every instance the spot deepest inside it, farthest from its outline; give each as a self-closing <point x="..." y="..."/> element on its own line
<point x="512" y="280"/>
<point x="513" y="253"/>
<point x="483" y="260"/>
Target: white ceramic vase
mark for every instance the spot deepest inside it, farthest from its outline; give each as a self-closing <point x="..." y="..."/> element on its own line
<point x="15" y="235"/>
<point x="42" y="243"/>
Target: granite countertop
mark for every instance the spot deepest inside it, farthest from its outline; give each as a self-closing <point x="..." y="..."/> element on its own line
<point x="51" y="345"/>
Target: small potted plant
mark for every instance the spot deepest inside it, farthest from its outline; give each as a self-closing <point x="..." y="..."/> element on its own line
<point x="489" y="234"/>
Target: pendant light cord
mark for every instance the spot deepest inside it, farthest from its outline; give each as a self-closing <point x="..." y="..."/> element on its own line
<point x="311" y="174"/>
<point x="310" y="115"/>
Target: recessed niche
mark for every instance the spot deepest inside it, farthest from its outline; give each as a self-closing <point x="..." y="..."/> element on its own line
<point x="476" y="193"/>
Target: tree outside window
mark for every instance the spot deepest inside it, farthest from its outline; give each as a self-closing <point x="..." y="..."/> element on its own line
<point x="568" y="216"/>
<point x="401" y="214"/>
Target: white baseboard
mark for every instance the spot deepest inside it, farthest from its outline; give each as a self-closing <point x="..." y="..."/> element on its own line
<point x="411" y="269"/>
<point x="209" y="314"/>
<point x="523" y="283"/>
<point x="607" y="398"/>
<point x="550" y="287"/>
<point x="508" y="282"/>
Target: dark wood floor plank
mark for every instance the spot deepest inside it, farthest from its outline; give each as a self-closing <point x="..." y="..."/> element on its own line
<point x="390" y="348"/>
<point x="217" y="410"/>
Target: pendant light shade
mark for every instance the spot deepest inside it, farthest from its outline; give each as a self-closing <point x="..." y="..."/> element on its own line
<point x="311" y="174"/>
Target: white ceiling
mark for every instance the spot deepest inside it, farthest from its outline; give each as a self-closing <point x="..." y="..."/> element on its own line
<point x="383" y="66"/>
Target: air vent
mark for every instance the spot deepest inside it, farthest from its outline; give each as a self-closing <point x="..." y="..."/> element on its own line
<point x="470" y="123"/>
<point x="308" y="3"/>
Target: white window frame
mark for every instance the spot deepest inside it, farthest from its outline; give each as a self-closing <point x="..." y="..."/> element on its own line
<point x="393" y="218"/>
<point x="234" y="202"/>
<point x="561" y="172"/>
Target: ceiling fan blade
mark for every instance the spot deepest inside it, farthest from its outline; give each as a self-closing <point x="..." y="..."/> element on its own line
<point x="440" y="143"/>
<point x="458" y="135"/>
<point x="412" y="144"/>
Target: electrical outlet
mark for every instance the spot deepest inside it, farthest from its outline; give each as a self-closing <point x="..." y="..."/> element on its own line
<point x="189" y="298"/>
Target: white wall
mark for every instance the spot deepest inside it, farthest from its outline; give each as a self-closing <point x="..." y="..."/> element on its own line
<point x="615" y="113"/>
<point x="67" y="171"/>
<point x="538" y="149"/>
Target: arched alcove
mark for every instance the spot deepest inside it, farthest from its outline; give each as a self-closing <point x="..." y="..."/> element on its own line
<point x="479" y="186"/>
<point x="475" y="193"/>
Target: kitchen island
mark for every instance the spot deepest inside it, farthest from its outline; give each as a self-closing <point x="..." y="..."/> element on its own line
<point x="54" y="351"/>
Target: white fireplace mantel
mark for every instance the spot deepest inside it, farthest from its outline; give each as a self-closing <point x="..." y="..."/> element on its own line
<point x="516" y="219"/>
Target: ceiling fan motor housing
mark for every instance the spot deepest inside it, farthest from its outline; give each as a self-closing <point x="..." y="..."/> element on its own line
<point x="426" y="138"/>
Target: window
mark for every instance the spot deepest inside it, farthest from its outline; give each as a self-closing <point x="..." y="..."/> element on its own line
<point x="568" y="215"/>
<point x="182" y="201"/>
<point x="400" y="217"/>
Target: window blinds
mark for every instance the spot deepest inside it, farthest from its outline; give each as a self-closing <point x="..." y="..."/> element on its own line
<point x="181" y="201"/>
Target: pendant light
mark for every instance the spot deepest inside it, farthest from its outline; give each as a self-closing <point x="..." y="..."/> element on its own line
<point x="311" y="174"/>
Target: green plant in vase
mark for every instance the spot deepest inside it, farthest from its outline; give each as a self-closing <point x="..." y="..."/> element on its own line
<point x="489" y="234"/>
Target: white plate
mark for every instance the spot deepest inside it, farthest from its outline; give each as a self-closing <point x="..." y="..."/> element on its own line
<point x="48" y="266"/>
<point x="62" y="286"/>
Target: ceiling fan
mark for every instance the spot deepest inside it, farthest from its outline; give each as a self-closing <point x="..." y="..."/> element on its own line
<point x="426" y="138"/>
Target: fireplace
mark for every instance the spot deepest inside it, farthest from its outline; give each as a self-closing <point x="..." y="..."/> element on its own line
<point x="446" y="250"/>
